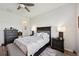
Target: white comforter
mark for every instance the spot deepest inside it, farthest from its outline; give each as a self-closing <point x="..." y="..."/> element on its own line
<point x="31" y="44"/>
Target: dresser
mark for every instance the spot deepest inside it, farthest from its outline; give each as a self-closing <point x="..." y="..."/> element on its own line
<point x="10" y="35"/>
<point x="57" y="44"/>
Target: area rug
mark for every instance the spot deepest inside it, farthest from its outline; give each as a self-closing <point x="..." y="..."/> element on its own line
<point x="51" y="52"/>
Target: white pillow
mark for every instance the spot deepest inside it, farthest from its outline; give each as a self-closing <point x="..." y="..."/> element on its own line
<point x="42" y="35"/>
<point x="37" y="34"/>
<point x="45" y="35"/>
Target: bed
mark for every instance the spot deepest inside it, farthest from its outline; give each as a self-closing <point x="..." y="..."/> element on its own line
<point x="45" y="30"/>
<point x="34" y="45"/>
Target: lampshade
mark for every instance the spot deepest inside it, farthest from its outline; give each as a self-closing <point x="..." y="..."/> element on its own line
<point x="33" y="28"/>
<point x="22" y="5"/>
<point x="61" y="28"/>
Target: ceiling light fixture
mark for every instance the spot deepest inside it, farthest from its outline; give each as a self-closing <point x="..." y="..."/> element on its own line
<point x="21" y="5"/>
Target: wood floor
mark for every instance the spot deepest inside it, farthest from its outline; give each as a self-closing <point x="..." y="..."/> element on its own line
<point x="66" y="53"/>
<point x="3" y="51"/>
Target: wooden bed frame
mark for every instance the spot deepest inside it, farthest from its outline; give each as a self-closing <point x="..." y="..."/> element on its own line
<point x="46" y="30"/>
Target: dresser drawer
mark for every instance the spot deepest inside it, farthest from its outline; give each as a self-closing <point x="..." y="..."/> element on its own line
<point x="10" y="35"/>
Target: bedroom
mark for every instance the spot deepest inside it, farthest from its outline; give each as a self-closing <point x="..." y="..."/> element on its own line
<point x="50" y="17"/>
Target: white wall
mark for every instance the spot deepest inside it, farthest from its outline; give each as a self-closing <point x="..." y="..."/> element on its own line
<point x="1" y="37"/>
<point x="8" y="20"/>
<point x="64" y="15"/>
<point x="77" y="12"/>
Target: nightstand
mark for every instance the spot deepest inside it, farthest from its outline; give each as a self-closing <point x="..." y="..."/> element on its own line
<point x="57" y="44"/>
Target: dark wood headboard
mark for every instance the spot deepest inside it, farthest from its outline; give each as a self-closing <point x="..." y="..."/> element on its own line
<point x="45" y="29"/>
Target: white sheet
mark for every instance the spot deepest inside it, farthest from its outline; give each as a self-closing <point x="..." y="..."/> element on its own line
<point x="31" y="44"/>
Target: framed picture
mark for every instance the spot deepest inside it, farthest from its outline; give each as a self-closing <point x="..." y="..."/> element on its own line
<point x="25" y="27"/>
<point x="78" y="21"/>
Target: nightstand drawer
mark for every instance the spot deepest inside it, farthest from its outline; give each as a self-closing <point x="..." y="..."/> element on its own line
<point x="57" y="44"/>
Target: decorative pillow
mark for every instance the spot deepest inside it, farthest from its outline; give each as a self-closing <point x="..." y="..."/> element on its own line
<point x="37" y="34"/>
<point x="42" y="35"/>
<point x="45" y="35"/>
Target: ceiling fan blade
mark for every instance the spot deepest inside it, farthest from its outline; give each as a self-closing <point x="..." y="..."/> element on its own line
<point x="27" y="9"/>
<point x="28" y="4"/>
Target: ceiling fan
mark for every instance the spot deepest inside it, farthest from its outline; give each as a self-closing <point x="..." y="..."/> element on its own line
<point x="25" y="6"/>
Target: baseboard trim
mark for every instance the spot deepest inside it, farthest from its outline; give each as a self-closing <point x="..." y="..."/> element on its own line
<point x="68" y="50"/>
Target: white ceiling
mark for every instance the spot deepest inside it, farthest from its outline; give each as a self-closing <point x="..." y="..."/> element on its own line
<point x="37" y="9"/>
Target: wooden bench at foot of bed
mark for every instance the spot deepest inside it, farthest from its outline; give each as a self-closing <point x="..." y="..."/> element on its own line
<point x="13" y="50"/>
